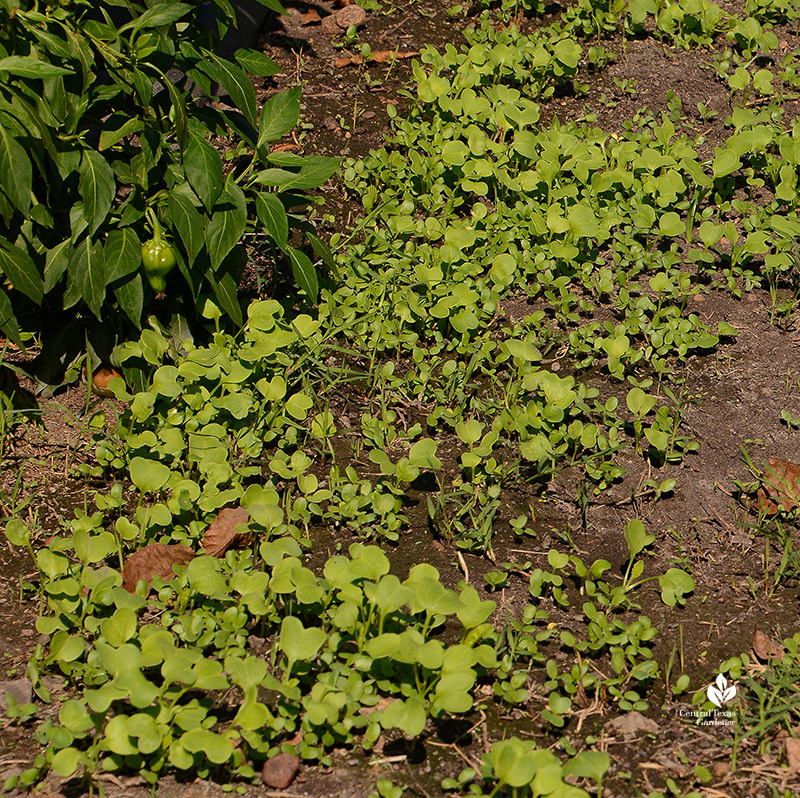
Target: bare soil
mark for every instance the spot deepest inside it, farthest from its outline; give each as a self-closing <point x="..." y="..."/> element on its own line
<point x="738" y="394"/>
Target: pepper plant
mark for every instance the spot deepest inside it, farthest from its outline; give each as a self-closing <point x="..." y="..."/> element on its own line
<point x="105" y="139"/>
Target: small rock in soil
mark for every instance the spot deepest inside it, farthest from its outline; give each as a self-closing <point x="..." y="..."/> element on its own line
<point x="20" y="689"/>
<point x="280" y="771"/>
<point x="329" y="25"/>
<point x="350" y="15"/>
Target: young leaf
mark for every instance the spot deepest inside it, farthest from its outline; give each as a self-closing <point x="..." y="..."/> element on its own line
<point x="299" y="643"/>
<point x="423" y="454"/>
<point x="149" y="476"/>
<point x="636" y="537"/>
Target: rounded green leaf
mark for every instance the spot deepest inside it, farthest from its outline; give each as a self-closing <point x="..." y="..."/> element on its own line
<point x="216" y="748"/>
<point x="726" y="162"/>
<point x="149" y="476"/>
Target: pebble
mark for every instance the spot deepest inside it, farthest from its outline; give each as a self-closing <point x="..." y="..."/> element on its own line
<point x="280" y="771"/>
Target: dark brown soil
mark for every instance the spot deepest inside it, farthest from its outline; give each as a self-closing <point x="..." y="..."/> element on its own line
<point x="738" y="395"/>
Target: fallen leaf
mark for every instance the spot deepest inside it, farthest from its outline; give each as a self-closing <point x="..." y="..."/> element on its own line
<point x="722" y="768"/>
<point x="765" y="647"/>
<point x="779" y="486"/>
<point x="155" y="559"/>
<point x="309" y="17"/>
<point x="378" y="57"/>
<point x="221" y="531"/>
<point x="633" y="723"/>
<point x="285" y="148"/>
<point x="280" y="771"/>
<point x="791" y="747"/>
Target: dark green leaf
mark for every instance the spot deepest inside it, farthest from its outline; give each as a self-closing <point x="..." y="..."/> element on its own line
<point x="8" y="321"/>
<point x="122" y="253"/>
<point x="273" y="5"/>
<point x="97" y="187"/>
<point x="15" y="171"/>
<point x="227" y="225"/>
<point x="304" y="272"/>
<point x="186" y="220"/>
<point x="315" y="171"/>
<point x="235" y="81"/>
<point x="130" y="296"/>
<point x="179" y="112"/>
<point x="272" y="215"/>
<point x="144" y="88"/>
<point x="26" y="66"/>
<point x="87" y="269"/>
<point x="278" y="116"/>
<point x="56" y="264"/>
<point x="257" y="63"/>
<point x="203" y="168"/>
<point x="321" y="249"/>
<point x="108" y="138"/>
<point x="226" y="292"/>
<point x="21" y="271"/>
<point x="160" y="14"/>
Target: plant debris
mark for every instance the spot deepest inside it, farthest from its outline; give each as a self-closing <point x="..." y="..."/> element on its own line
<point x="779" y="487"/>
<point x="221" y="532"/>
<point x="378" y="57"/>
<point x="155" y="559"/>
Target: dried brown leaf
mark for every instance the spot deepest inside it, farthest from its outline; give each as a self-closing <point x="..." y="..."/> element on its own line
<point x="221" y="531"/>
<point x="779" y="487"/>
<point x="378" y="57"/>
<point x="765" y="647"/>
<point x="155" y="559"/>
<point x="310" y="17"/>
<point x="791" y="747"/>
<point x="633" y="723"/>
